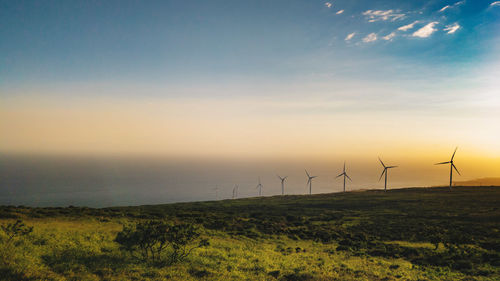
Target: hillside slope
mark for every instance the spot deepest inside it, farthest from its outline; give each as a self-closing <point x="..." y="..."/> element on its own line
<point x="412" y="234"/>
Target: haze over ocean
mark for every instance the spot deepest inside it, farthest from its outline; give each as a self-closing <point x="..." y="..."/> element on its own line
<point x="98" y="181"/>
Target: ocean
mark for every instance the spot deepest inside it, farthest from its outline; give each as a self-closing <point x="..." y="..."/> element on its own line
<point x="99" y="181"/>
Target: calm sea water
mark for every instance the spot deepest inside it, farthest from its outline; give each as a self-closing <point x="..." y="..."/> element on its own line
<point x="105" y="181"/>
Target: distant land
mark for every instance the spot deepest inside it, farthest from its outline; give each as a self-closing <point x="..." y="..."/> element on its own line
<point x="479" y="182"/>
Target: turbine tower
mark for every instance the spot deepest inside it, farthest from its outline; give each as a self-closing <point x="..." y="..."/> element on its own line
<point x="345" y="176"/>
<point x="282" y="184"/>
<point x="259" y="186"/>
<point x="235" y="191"/>
<point x="385" y="172"/>
<point x="216" y="192"/>
<point x="452" y="166"/>
<point x="309" y="181"/>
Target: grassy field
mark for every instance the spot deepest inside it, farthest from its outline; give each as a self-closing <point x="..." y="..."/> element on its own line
<point x="404" y="234"/>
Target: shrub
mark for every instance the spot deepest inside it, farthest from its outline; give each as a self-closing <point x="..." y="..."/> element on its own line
<point x="298" y="277"/>
<point x="180" y="237"/>
<point x="152" y="238"/>
<point x="17" y="229"/>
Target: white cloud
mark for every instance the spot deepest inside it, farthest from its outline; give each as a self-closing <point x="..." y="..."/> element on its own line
<point x="496" y="3"/>
<point x="328" y="4"/>
<point x="349" y="36"/>
<point x="426" y="31"/>
<point x="370" y="38"/>
<point x="454" y="5"/>
<point x="381" y="15"/>
<point x="389" y="37"/>
<point x="339" y="12"/>
<point x="444" y="8"/>
<point x="408" y="26"/>
<point x="452" y="28"/>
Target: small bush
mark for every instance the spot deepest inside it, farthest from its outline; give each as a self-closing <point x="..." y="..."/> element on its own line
<point x="199" y="273"/>
<point x="394" y="266"/>
<point x="152" y="238"/>
<point x="298" y="277"/>
<point x="17" y="229"/>
<point x="274" y="273"/>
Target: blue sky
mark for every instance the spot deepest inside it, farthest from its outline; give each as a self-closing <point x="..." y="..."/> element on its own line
<point x="185" y="41"/>
<point x="208" y="77"/>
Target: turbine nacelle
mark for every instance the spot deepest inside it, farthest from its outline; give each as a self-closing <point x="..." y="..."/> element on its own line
<point x="310" y="177"/>
<point x="282" y="178"/>
<point x="344" y="174"/>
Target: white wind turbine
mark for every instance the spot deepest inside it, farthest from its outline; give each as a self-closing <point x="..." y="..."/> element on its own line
<point x="452" y="166"/>
<point x="259" y="186"/>
<point x="386" y="168"/>
<point x="235" y="191"/>
<point x="309" y="181"/>
<point x="282" y="184"/>
<point x="216" y="192"/>
<point x="345" y="176"/>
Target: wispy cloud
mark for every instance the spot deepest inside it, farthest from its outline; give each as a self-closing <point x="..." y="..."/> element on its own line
<point x="452" y="28"/>
<point x="381" y="15"/>
<point x="328" y="4"/>
<point x="444" y="8"/>
<point x="389" y="36"/>
<point x="451" y="6"/>
<point x="496" y="3"/>
<point x="370" y="38"/>
<point x="350" y="36"/>
<point x="408" y="26"/>
<point x="426" y="31"/>
<point x="339" y="12"/>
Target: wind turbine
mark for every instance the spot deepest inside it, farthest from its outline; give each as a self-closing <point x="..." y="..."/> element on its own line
<point x="452" y="166"/>
<point x="216" y="192"/>
<point x="345" y="176"/>
<point x="259" y="186"/>
<point x="309" y="181"/>
<point x="235" y="191"/>
<point x="282" y="184"/>
<point x="385" y="172"/>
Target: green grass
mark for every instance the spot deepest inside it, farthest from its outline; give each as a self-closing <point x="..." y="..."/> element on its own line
<point x="368" y="235"/>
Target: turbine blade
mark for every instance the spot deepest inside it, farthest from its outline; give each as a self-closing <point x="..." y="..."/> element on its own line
<point x="443" y="163"/>
<point x="454" y="153"/>
<point x="306" y="173"/>
<point x="344" y="166"/>
<point x="285" y="177"/>
<point x="339" y="175"/>
<point x="390" y="167"/>
<point x="382" y="174"/>
<point x="453" y="165"/>
<point x="381" y="162"/>
<point x="348" y="177"/>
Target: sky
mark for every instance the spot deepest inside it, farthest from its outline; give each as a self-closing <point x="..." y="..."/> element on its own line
<point x="406" y="80"/>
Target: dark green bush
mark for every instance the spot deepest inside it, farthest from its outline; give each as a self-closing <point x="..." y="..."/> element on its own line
<point x="151" y="239"/>
<point x="17" y="229"/>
